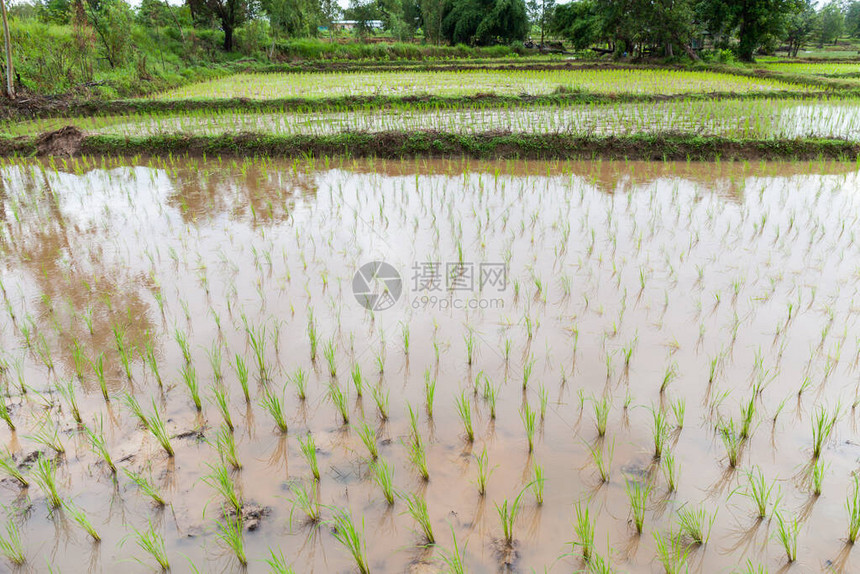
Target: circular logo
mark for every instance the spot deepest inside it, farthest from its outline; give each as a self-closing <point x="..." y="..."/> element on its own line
<point x="377" y="286"/>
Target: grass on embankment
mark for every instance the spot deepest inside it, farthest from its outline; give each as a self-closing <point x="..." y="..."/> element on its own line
<point x="435" y="144"/>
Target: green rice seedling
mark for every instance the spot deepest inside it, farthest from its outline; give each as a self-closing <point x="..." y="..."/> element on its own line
<point x="732" y="441"/>
<point x="257" y="340"/>
<point x="484" y="472"/>
<point x="543" y="395"/>
<point x="603" y="461"/>
<point x="454" y="560"/>
<point x="638" y="494"/>
<point x="380" y="361"/>
<point x="465" y="412"/>
<point x="189" y="377"/>
<point x="313" y="335"/>
<point x="98" y="444"/>
<point x="404" y="331"/>
<point x="414" y="432"/>
<point x="67" y="391"/>
<point x="470" y="342"/>
<point x="853" y="506"/>
<point x="696" y="524"/>
<point x="126" y="353"/>
<point x="11" y="546"/>
<point x="300" y="378"/>
<point x="669" y="375"/>
<point x="222" y="402"/>
<point x="490" y="394"/>
<point x="429" y="393"/>
<point x="601" y="414"/>
<point x="309" y="449"/>
<point x="225" y="443"/>
<point x="45" y="475"/>
<point x="152" y="361"/>
<point x="339" y="399"/>
<point x="528" y="417"/>
<point x="81" y="519"/>
<point x="527" y="373"/>
<point x="159" y="431"/>
<point x="346" y="533"/>
<point x="98" y="366"/>
<point x="182" y="340"/>
<point x="146" y="487"/>
<point x="6" y="416"/>
<point x="273" y="404"/>
<point x="368" y="437"/>
<point x="584" y="528"/>
<point x="679" y="409"/>
<point x="134" y="408"/>
<point x="418" y="457"/>
<point x="330" y="353"/>
<point x="537" y="483"/>
<point x="383" y="476"/>
<point x="759" y="491"/>
<point x="48" y="435"/>
<point x="747" y="414"/>
<point x="79" y="359"/>
<point x="786" y="534"/>
<point x="671" y="552"/>
<point x="9" y="468"/>
<point x="277" y="563"/>
<point x="215" y="361"/>
<point x="381" y="399"/>
<point x="508" y="513"/>
<point x="242" y="374"/>
<point x="219" y="480"/>
<point x="308" y="501"/>
<point x="230" y="533"/>
<point x="822" y="428"/>
<point x="660" y="432"/>
<point x="416" y="506"/>
<point x="357" y="380"/>
<point x="817" y="477"/>
<point x="152" y="543"/>
<point x="670" y="471"/>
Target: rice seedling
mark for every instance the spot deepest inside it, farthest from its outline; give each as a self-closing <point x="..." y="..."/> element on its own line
<point x="230" y="533"/>
<point x="368" y="437"/>
<point x="747" y="414"/>
<point x="182" y="340"/>
<point x="11" y="546"/>
<point x="454" y="560"/>
<point x="695" y="524"/>
<point x="528" y="417"/>
<point x="222" y="402"/>
<point x="274" y="405"/>
<point x="98" y="366"/>
<point x="7" y="417"/>
<point x="309" y="450"/>
<point x="330" y="353"/>
<point x="416" y="506"/>
<point x="817" y="477"/>
<point x="146" y="487"/>
<point x="381" y="400"/>
<point x="135" y="409"/>
<point x="81" y="519"/>
<point x="760" y="492"/>
<point x="508" y="512"/>
<point x="482" y="462"/>
<point x="638" y="494"/>
<point x="159" y="431"/>
<point x="418" y="457"/>
<point x="225" y="444"/>
<point x="300" y="379"/>
<point x="852" y="504"/>
<point x="602" y="460"/>
<point x="671" y="552"/>
<point x="786" y="533"/>
<point x="152" y="543"/>
<point x="152" y="361"/>
<point x="383" y="475"/>
<point x="98" y="444"/>
<point x="669" y="375"/>
<point x="670" y="471"/>
<point x="339" y="399"/>
<point x="277" y="563"/>
<point x="357" y="380"/>
<point x="659" y="432"/>
<point x="308" y="501"/>
<point x="732" y="441"/>
<point x="45" y="475"/>
<point x="679" y="409"/>
<point x="48" y="435"/>
<point x="67" y="391"/>
<point x="189" y="377"/>
<point x="537" y="483"/>
<point x="601" y="414"/>
<point x="469" y="340"/>
<point x="429" y="393"/>
<point x="220" y="481"/>
<point x="527" y="373"/>
<point x="346" y="533"/>
<point x="9" y="468"/>
<point x="242" y="374"/>
<point x="584" y="528"/>
<point x="257" y="340"/>
<point x="126" y="353"/>
<point x="822" y="428"/>
<point x="465" y="412"/>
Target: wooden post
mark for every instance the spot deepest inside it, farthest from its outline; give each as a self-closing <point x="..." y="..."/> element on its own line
<point x="10" y="71"/>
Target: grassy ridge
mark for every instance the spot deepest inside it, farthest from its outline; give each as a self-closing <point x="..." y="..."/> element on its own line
<point x="437" y="144"/>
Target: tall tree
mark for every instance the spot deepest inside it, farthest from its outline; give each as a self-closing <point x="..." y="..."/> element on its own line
<point x="229" y="14"/>
<point x="484" y="22"/>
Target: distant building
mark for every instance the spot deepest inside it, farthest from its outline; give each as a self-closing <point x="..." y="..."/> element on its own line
<point x="353" y="24"/>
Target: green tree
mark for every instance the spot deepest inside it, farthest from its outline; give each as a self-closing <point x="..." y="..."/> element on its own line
<point x="754" y="22"/>
<point x="485" y="22"/>
<point x="801" y="25"/>
<point x="227" y="14"/>
<point x="577" y="22"/>
<point x="831" y="23"/>
<point x="852" y="19"/>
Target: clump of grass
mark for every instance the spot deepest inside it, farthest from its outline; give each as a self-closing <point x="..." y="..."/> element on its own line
<point x="11" y="546"/>
<point x="48" y="435"/>
<point x="679" y="409"/>
<point x="384" y="477"/>
<point x="98" y="366"/>
<point x="817" y="477"/>
<point x="330" y="353"/>
<point x="695" y="524"/>
<point x="222" y="402"/>
<point x="418" y="457"/>
<point x="219" y="480"/>
<point x="482" y="462"/>
<point x="98" y="444"/>
<point x="300" y="378"/>
<point x="357" y="379"/>
<point x="308" y="501"/>
<point x="822" y="428"/>
<point x="671" y="552"/>
<point x="584" y="528"/>
<point x="345" y="532"/>
<point x="45" y="475"/>
<point x="189" y="377"/>
<point x="454" y="560"/>
<point x="231" y="534"/>
<point x="274" y="405"/>
<point x="416" y="506"/>
<point x="80" y="517"/>
<point x="603" y="461"/>
<point x="759" y="491"/>
<point x="242" y="374"/>
<point x="339" y="399"/>
<point x="7" y="417"/>
<point x="732" y="441"/>
<point x="601" y="414"/>
<point x="368" y="437"/>
<point x="465" y="412"/>
<point x="309" y="449"/>
<point x="159" y="431"/>
<point x="537" y="483"/>
<point x="508" y="513"/>
<point x="277" y="563"/>
<point x="528" y="416"/>
<point x="134" y="408"/>
<point x="8" y="467"/>
<point x="381" y="399"/>
<point x="660" y="432"/>
<point x="429" y="393"/>
<point x="638" y="494"/>
<point x="152" y="543"/>
<point x="670" y="471"/>
<point x="786" y="534"/>
<point x="225" y="444"/>
<point x="67" y="390"/>
<point x="146" y="487"/>
<point x="853" y="506"/>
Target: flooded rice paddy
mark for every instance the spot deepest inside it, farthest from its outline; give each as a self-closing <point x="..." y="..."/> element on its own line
<point x="599" y="312"/>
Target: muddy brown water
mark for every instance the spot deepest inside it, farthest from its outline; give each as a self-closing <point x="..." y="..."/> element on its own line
<point x="753" y="264"/>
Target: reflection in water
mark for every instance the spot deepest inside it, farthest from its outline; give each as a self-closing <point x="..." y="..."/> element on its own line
<point x="657" y="286"/>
